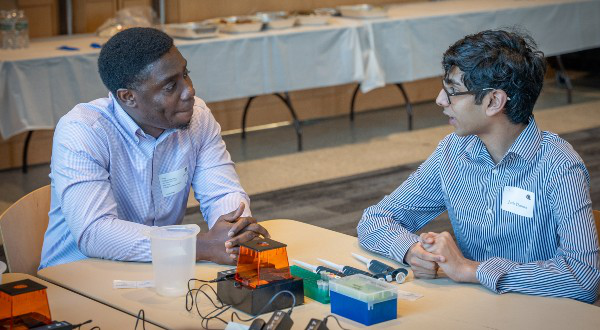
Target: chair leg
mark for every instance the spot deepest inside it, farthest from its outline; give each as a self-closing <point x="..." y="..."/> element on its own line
<point x="563" y="79"/>
<point x="409" y="111"/>
<point x="25" y="149"/>
<point x="353" y="101"/>
<point x="297" y="125"/>
<point x="246" y="108"/>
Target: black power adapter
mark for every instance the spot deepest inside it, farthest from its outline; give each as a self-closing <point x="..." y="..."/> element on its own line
<point x="62" y="325"/>
<point x="316" y="324"/>
<point x="280" y="320"/>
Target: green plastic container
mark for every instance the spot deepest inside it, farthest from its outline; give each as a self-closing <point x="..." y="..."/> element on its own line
<point x="311" y="288"/>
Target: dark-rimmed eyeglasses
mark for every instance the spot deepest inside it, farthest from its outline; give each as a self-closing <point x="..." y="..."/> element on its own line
<point x="473" y="92"/>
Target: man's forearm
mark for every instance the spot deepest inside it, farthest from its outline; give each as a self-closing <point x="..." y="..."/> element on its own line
<point x="558" y="277"/>
<point x="115" y="239"/>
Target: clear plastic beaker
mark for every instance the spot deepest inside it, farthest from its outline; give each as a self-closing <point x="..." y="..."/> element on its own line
<point x="173" y="258"/>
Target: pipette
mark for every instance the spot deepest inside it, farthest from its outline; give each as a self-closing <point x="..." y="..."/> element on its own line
<point x="317" y="269"/>
<point x="348" y="270"/>
<point x="378" y="267"/>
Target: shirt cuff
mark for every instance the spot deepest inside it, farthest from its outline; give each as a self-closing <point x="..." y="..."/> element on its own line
<point x="401" y="245"/>
<point x="490" y="271"/>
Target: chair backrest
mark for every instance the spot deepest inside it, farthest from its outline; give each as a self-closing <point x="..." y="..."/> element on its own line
<point x="597" y="218"/>
<point x="23" y="226"/>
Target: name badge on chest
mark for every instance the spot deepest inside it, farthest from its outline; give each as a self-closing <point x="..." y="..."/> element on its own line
<point x="173" y="182"/>
<point x="518" y="201"/>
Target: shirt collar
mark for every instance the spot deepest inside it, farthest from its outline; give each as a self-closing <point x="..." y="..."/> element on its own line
<point x="526" y="145"/>
<point x="125" y="121"/>
<point x="528" y="142"/>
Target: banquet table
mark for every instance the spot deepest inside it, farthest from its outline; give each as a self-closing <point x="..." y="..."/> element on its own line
<point x="422" y="304"/>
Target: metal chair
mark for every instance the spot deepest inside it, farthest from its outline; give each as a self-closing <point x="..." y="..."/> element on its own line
<point x="22" y="227"/>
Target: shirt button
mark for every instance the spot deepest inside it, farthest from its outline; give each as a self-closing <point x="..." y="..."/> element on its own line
<point x="488" y="248"/>
<point x="494" y="171"/>
<point x="488" y="211"/>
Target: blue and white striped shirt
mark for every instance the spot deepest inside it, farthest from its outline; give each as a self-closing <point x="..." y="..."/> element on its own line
<point x="105" y="188"/>
<point x="554" y="253"/>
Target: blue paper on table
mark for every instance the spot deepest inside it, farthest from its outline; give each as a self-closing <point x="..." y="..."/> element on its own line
<point x="67" y="48"/>
<point x="95" y="45"/>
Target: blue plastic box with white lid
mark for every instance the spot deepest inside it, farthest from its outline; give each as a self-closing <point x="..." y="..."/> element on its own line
<point x="363" y="299"/>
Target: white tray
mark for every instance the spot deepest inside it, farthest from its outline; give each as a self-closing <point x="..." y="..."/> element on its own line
<point x="313" y="19"/>
<point x="363" y="11"/>
<point x="277" y="19"/>
<point x="192" y="30"/>
<point x="238" y="24"/>
<point x="283" y="23"/>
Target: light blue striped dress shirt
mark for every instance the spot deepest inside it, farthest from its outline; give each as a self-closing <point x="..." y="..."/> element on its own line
<point x="105" y="188"/>
<point x="554" y="253"/>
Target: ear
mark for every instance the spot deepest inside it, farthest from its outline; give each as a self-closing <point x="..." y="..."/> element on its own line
<point x="126" y="97"/>
<point x="496" y="101"/>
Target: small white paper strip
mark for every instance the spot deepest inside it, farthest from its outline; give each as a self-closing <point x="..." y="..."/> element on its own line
<point x="120" y="284"/>
<point x="410" y="296"/>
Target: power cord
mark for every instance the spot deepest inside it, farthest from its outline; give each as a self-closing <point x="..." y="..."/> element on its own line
<point x="336" y="320"/>
<point x="78" y="326"/>
<point x="267" y="305"/>
<point x="316" y="324"/>
<point x="141" y="316"/>
<point x="191" y="299"/>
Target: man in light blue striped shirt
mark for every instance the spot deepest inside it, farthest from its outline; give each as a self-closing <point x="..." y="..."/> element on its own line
<point x="124" y="163"/>
<point x="518" y="198"/>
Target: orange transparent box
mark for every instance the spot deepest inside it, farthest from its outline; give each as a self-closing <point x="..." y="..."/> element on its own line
<point x="23" y="305"/>
<point x="262" y="261"/>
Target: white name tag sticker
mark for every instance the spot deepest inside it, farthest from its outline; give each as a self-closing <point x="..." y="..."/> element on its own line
<point x="173" y="182"/>
<point x="518" y="201"/>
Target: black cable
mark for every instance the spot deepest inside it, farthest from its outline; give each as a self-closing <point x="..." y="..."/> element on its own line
<point x="95" y="328"/>
<point x="191" y="299"/>
<point x="141" y="315"/>
<point x="267" y="305"/>
<point x="218" y="309"/>
<point x="336" y="320"/>
<point x="80" y="324"/>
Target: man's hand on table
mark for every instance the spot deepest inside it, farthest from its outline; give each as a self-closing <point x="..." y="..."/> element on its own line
<point x="221" y="243"/>
<point x="423" y="263"/>
<point x="450" y="258"/>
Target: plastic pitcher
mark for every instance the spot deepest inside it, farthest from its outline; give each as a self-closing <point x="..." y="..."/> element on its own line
<point x="173" y="258"/>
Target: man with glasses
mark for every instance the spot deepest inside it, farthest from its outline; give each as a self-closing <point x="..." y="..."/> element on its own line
<point x="518" y="198"/>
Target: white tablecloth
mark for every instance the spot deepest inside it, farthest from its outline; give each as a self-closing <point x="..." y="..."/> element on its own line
<point x="40" y="84"/>
<point x="409" y="44"/>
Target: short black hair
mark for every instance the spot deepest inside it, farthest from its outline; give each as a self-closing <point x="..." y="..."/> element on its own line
<point x="506" y="60"/>
<point x="124" y="57"/>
